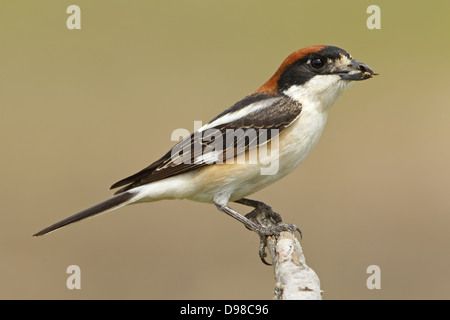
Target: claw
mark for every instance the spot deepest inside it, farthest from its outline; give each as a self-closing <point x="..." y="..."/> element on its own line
<point x="299" y="231"/>
<point x="262" y="250"/>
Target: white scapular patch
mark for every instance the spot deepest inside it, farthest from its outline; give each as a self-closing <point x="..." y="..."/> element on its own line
<point x="232" y="116"/>
<point x="209" y="157"/>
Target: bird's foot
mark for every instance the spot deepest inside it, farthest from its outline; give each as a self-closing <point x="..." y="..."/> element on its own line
<point x="270" y="224"/>
<point x="264" y="215"/>
<point x="278" y="228"/>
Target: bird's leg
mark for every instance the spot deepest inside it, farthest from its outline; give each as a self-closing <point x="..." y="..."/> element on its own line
<point x="270" y="221"/>
<point x="249" y="224"/>
<point x="260" y="208"/>
<point x="266" y="217"/>
<point x="261" y="220"/>
<point x="236" y="215"/>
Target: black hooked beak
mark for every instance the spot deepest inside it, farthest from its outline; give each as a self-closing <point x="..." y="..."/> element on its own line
<point x="356" y="71"/>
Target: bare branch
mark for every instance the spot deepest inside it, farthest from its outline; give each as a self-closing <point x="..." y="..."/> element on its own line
<point x="295" y="280"/>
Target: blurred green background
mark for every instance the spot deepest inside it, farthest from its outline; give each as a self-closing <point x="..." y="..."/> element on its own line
<point x="81" y="109"/>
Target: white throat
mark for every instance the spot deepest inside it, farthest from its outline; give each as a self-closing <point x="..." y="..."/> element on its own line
<point x="322" y="91"/>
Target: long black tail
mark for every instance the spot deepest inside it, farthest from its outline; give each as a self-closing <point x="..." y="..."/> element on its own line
<point x="108" y="205"/>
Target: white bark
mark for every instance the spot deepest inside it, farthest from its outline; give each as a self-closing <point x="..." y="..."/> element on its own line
<point x="295" y="280"/>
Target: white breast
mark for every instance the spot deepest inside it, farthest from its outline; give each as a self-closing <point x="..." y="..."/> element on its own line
<point x="299" y="139"/>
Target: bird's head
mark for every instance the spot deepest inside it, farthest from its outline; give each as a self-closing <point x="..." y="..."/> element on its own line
<point x="316" y="73"/>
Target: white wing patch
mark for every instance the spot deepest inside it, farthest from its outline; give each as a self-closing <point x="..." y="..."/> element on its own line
<point x="232" y="116"/>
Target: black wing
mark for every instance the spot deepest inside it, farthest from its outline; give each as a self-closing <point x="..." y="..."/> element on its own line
<point x="250" y="115"/>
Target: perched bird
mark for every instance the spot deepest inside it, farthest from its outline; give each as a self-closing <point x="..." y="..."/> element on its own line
<point x="286" y="115"/>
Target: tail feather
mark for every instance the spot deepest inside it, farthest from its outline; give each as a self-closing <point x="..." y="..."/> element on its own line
<point x="108" y="205"/>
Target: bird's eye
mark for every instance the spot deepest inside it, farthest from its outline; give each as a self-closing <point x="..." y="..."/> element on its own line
<point x="317" y="63"/>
